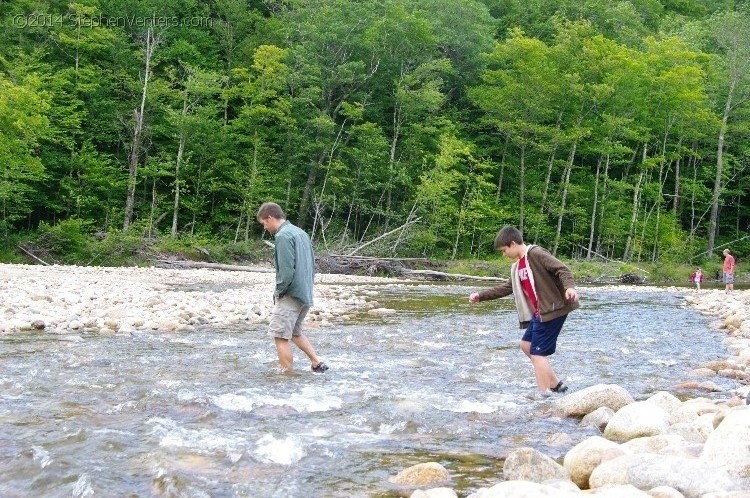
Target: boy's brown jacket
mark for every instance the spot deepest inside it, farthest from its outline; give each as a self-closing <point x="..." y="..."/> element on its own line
<point x="549" y="276"/>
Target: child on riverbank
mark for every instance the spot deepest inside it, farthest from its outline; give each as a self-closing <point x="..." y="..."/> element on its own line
<point x="697" y="278"/>
<point x="545" y="293"/>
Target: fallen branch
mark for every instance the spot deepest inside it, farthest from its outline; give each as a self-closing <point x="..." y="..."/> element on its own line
<point x="594" y="253"/>
<point x="374" y="258"/>
<point x="717" y="247"/>
<point x="451" y="276"/>
<point x="214" y="266"/>
<point x="28" y="253"/>
<point x="384" y="235"/>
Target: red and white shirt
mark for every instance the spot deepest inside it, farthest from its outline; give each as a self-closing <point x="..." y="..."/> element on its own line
<point x="528" y="288"/>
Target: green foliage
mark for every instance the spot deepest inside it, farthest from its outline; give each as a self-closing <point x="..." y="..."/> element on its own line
<point x="592" y="123"/>
<point x="66" y="242"/>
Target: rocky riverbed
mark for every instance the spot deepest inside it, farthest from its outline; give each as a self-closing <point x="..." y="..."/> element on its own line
<point x="660" y="446"/>
<point x="73" y="299"/>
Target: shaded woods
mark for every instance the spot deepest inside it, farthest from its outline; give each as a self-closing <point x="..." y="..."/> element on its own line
<point x="610" y="128"/>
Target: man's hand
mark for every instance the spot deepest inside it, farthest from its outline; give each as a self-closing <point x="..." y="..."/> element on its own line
<point x="474" y="297"/>
<point x="571" y="295"/>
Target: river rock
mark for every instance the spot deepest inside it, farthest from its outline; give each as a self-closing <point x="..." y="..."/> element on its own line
<point x="663" y="444"/>
<point x="704" y="424"/>
<point x="692" y="409"/>
<point x="691" y="477"/>
<point x="687" y="431"/>
<point x="587" y="400"/>
<point x="527" y="464"/>
<point x="434" y="493"/>
<point x="666" y="401"/>
<point x="584" y="457"/>
<point x="423" y="474"/>
<point x="636" y="420"/>
<point x="665" y="492"/>
<point x="38" y="325"/>
<point x="523" y="489"/>
<point x="599" y="418"/>
<point x="729" y="445"/>
<point x="619" y="491"/>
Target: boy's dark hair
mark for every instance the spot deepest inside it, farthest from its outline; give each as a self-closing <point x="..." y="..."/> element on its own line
<point x="506" y="235"/>
<point x="270" y="209"/>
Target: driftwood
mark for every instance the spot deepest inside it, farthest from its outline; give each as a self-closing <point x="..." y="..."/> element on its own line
<point x="166" y="263"/>
<point x="359" y="248"/>
<point x="340" y="264"/>
<point x="28" y="253"/>
<point x="334" y="263"/>
<point x="439" y="275"/>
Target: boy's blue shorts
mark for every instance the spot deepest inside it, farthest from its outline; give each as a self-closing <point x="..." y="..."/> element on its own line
<point x="543" y="335"/>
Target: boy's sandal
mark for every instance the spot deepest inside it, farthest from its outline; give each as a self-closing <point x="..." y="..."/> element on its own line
<point x="319" y="368"/>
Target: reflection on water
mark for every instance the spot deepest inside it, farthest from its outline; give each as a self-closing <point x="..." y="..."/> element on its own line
<point x="206" y="414"/>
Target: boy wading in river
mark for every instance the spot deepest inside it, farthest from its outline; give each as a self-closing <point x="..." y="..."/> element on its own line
<point x="545" y="293"/>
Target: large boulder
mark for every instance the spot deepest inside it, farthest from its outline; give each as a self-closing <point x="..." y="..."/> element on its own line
<point x="584" y="457"/>
<point x="587" y="400"/>
<point x="527" y="464"/>
<point x="729" y="444"/>
<point x="422" y="475"/>
<point x="691" y="477"/>
<point x="637" y="420"/>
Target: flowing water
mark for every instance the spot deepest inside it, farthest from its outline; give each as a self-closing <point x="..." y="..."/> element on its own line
<point x="206" y="413"/>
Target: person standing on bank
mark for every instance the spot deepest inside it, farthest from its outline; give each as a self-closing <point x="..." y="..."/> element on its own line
<point x="697" y="278"/>
<point x="544" y="292"/>
<point x="293" y="295"/>
<point x="728" y="271"/>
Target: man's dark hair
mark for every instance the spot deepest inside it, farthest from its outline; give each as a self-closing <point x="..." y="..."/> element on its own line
<point x="270" y="209"/>
<point x="506" y="235"/>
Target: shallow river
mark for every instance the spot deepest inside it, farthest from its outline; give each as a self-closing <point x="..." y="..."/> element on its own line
<point x="206" y="414"/>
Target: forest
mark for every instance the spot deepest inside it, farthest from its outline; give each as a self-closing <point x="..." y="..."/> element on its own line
<point x="615" y="129"/>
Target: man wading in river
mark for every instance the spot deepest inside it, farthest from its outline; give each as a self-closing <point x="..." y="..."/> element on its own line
<point x="293" y="295"/>
<point x="544" y="292"/>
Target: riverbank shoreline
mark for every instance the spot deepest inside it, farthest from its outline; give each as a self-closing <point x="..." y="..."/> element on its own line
<point x="122" y="300"/>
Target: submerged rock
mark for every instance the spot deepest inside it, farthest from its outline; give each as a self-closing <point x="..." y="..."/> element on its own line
<point x="530" y="465"/>
<point x="423" y="474"/>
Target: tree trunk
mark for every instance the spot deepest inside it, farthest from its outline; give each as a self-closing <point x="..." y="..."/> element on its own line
<point x="568" y="168"/>
<point x="676" y="200"/>
<point x="719" y="166"/>
<point x="138" y="116"/>
<point x="502" y="169"/>
<point x="397" y="121"/>
<point x="634" y="217"/>
<point x="304" y="203"/>
<point x="180" y="151"/>
<point x="593" y="209"/>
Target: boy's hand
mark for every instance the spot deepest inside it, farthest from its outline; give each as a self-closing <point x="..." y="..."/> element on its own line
<point x="474" y="297"/>
<point x="571" y="295"/>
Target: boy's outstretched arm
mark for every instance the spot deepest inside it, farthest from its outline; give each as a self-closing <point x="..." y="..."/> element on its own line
<point x="502" y="290"/>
